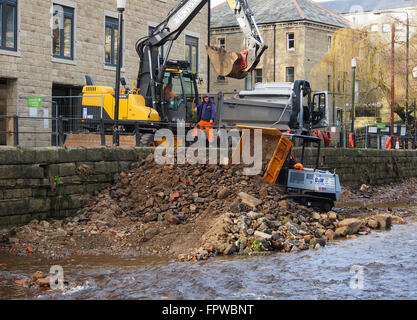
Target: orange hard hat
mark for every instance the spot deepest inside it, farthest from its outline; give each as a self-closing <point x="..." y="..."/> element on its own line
<point x="299" y="166"/>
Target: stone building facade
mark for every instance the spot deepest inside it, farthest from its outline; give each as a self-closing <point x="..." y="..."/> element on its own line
<point x="47" y="48"/>
<point x="298" y="34"/>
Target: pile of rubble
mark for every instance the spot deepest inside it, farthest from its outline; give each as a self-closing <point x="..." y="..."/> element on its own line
<point x="192" y="213"/>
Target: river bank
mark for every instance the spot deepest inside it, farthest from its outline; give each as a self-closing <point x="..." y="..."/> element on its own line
<point x="387" y="258"/>
<point x="195" y="212"/>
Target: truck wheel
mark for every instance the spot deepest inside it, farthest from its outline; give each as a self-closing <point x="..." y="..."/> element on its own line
<point x="147" y="140"/>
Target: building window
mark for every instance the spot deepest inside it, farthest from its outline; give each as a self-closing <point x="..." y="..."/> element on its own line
<point x="191" y="52"/>
<point x="258" y="75"/>
<point x="289" y="74"/>
<point x="8" y="24"/>
<point x="112" y="41"/>
<point x="374" y="28"/>
<point x="386" y="28"/>
<point x="329" y="43"/>
<point x="151" y="30"/>
<point x="63" y="32"/>
<point x="222" y="43"/>
<point x="399" y="27"/>
<point x="290" y="41"/>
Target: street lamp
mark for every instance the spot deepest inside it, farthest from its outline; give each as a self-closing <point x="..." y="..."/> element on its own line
<point x="407" y="68"/>
<point x="352" y="142"/>
<point x="121" y="6"/>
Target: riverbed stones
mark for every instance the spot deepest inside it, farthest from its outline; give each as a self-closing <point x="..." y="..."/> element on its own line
<point x="44" y="283"/>
<point x="37" y="275"/>
<point x="330" y="234"/>
<point x="25" y="282"/>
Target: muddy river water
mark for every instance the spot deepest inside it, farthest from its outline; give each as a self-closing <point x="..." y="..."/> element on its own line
<point x="382" y="265"/>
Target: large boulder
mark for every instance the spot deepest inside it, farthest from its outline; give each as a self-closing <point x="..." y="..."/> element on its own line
<point x="249" y="200"/>
<point x="373" y="223"/>
<point x="398" y="220"/>
<point x="341" y="232"/>
<point x="352" y="225"/>
<point x="384" y="221"/>
<point x="231" y="249"/>
<point x="262" y="235"/>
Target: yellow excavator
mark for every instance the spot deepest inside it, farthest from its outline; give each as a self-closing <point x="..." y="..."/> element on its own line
<point x="167" y="91"/>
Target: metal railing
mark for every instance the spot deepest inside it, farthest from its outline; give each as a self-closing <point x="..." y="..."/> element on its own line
<point x="50" y="123"/>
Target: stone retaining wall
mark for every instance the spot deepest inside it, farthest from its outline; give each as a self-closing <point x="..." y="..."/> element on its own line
<point x="47" y="183"/>
<point x="364" y="166"/>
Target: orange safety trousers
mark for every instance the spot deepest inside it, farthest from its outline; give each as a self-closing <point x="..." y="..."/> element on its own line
<point x="205" y="125"/>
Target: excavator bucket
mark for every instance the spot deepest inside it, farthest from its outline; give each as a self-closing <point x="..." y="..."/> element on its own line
<point x="275" y="149"/>
<point x="228" y="64"/>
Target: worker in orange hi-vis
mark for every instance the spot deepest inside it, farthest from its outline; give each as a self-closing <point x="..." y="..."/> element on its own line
<point x="207" y="110"/>
<point x="168" y="93"/>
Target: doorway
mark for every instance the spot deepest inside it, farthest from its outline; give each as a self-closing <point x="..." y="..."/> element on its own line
<point x="67" y="103"/>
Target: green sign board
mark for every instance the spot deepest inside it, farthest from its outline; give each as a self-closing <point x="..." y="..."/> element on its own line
<point x="381" y="126"/>
<point x="34" y="102"/>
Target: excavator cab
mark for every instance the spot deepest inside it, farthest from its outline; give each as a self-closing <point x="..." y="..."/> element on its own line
<point x="180" y="94"/>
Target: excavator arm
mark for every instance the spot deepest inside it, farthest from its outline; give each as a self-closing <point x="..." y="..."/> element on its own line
<point x="239" y="64"/>
<point x="234" y="65"/>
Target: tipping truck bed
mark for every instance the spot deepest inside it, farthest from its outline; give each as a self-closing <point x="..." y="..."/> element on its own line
<point x="265" y="106"/>
<point x="233" y="112"/>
